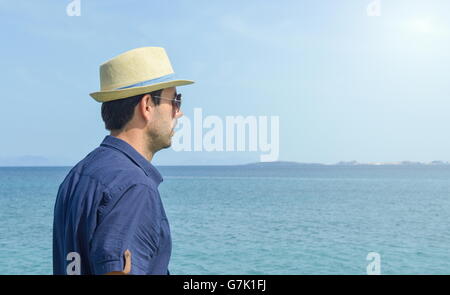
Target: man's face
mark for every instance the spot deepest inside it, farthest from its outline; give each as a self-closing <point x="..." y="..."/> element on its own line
<point x="161" y="127"/>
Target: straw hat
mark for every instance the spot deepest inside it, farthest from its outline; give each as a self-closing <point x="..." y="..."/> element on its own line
<point x="138" y="71"/>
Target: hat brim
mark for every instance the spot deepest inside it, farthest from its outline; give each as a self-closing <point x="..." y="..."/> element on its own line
<point x="104" y="96"/>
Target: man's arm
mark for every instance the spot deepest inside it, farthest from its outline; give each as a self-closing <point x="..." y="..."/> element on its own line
<point x="126" y="270"/>
<point x="131" y="223"/>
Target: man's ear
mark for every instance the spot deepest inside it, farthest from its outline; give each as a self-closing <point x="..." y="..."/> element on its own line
<point x="146" y="106"/>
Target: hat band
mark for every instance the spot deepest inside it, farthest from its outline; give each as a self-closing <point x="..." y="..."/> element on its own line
<point x="149" y="82"/>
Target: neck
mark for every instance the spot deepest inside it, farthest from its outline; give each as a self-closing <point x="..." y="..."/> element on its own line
<point x="136" y="140"/>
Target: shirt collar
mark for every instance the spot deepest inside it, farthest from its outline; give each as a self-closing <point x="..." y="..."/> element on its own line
<point x="134" y="156"/>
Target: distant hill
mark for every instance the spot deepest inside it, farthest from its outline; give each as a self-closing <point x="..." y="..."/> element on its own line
<point x="280" y="164"/>
<point x="31" y="161"/>
<point x="343" y="163"/>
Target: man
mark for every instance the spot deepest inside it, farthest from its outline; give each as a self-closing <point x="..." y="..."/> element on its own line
<point x="108" y="215"/>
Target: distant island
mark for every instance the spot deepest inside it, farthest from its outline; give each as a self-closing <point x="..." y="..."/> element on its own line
<point x="345" y="163"/>
<point x="38" y="161"/>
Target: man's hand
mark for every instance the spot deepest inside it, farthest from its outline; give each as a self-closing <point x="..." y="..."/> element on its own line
<point x="126" y="270"/>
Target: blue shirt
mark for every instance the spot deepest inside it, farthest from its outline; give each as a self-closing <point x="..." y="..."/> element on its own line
<point x="108" y="203"/>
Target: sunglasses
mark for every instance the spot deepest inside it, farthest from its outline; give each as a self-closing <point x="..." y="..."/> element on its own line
<point x="176" y="101"/>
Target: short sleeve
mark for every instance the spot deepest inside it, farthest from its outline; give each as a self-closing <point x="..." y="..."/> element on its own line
<point x="132" y="223"/>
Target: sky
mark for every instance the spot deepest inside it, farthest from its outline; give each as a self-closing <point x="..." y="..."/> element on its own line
<point x="344" y="85"/>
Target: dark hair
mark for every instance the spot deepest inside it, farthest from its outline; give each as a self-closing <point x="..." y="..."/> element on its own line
<point x="117" y="113"/>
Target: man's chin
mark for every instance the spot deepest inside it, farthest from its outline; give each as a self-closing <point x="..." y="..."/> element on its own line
<point x="168" y="144"/>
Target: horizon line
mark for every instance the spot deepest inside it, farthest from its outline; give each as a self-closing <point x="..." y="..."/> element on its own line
<point x="340" y="163"/>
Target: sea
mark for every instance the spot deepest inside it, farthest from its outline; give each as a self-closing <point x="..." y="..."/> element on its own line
<point x="263" y="219"/>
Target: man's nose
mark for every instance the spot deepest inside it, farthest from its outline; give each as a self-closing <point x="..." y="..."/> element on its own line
<point x="179" y="114"/>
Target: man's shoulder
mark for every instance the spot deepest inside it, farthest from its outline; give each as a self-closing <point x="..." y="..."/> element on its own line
<point x="114" y="170"/>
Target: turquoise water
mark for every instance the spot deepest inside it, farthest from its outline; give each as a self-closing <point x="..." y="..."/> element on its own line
<point x="248" y="220"/>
